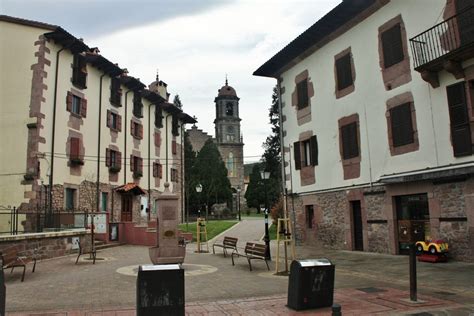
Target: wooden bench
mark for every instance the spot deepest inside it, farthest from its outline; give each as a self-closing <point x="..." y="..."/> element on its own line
<point x="11" y="259"/>
<point x="227" y="243"/>
<point x="252" y="251"/>
<point x="83" y="251"/>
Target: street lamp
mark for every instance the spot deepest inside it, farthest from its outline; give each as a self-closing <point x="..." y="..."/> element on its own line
<point x="265" y="176"/>
<point x="199" y="190"/>
<point x="238" y="201"/>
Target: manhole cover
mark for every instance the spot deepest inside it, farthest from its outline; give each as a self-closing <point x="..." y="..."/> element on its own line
<point x="371" y="290"/>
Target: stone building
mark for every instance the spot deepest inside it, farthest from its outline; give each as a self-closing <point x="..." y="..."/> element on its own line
<point x="228" y="138"/>
<point x="79" y="133"/>
<point x="377" y="120"/>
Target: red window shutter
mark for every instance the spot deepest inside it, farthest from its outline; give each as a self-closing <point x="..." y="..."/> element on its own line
<point x="132" y="128"/>
<point x="118" y="159"/>
<point x="132" y="163"/>
<point x="297" y="155"/>
<point x="160" y="171"/>
<point x="313" y="141"/>
<point x="173" y="147"/>
<point x="109" y="118"/>
<point x="119" y="123"/>
<point x="74" y="148"/>
<point x="140" y="164"/>
<point x="157" y="139"/>
<point x="83" y="107"/>
<point x="155" y="170"/>
<point x="141" y="131"/>
<point x="69" y="101"/>
<point x="107" y="157"/>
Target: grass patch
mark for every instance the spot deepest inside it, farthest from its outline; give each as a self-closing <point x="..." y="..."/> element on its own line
<point x="214" y="228"/>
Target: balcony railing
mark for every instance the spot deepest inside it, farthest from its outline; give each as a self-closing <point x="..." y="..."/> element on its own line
<point x="445" y="38"/>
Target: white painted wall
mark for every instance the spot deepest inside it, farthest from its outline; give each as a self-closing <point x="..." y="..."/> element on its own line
<point x="369" y="101"/>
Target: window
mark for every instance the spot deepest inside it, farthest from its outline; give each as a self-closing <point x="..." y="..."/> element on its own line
<point x="136" y="166"/>
<point x="114" y="121"/>
<point x="104" y="200"/>
<point x="113" y="160"/>
<point x="76" y="105"/>
<point x="459" y="119"/>
<point x="136" y="129"/>
<point x="157" y="170"/>
<point x="402" y="126"/>
<point x="309" y="216"/>
<point x="392" y="46"/>
<point x="75" y="157"/>
<point x="174" y="175"/>
<point x="229" y="109"/>
<point x="344" y="72"/>
<point x="306" y="153"/>
<point x="158" y="117"/>
<point x="137" y="104"/>
<point x="115" y="92"/>
<point x="175" y="125"/>
<point x="350" y="145"/>
<point x="302" y="94"/>
<point x="79" y="71"/>
<point x="70" y="200"/>
<point x="174" y="147"/>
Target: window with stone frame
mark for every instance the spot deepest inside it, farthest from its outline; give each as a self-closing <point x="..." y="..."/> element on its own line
<point x="75" y="157"/>
<point x="113" y="160"/>
<point x="157" y="170"/>
<point x="392" y="46"/>
<point x="115" y="92"/>
<point x="136" y="130"/>
<point x="136" y="166"/>
<point x="114" y="121"/>
<point x="76" y="105"/>
<point x="174" y="175"/>
<point x="302" y="94"/>
<point x="174" y="147"/>
<point x="349" y="140"/>
<point x="309" y="210"/>
<point x="79" y="71"/>
<point x="137" y="104"/>
<point x="401" y="125"/>
<point x="306" y="152"/>
<point x="70" y="199"/>
<point x="344" y="72"/>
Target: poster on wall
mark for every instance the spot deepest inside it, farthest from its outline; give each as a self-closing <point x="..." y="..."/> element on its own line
<point x="99" y="223"/>
<point x="113" y="232"/>
<point x="143" y="206"/>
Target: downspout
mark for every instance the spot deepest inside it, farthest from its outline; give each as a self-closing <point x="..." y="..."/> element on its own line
<point x="98" y="144"/>
<point x="282" y="150"/>
<point x="166" y="141"/>
<point x="149" y="161"/>
<point x="55" y="99"/>
<point x="125" y="140"/>
<point x="182" y="174"/>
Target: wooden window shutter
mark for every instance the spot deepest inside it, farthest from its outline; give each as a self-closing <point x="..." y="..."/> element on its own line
<point x="314" y="150"/>
<point x="118" y="159"/>
<point x="402" y="125"/>
<point x="141" y="130"/>
<point x="109" y="118"/>
<point x="107" y="157"/>
<point x="158" y="117"/>
<point x="459" y="119"/>
<point x="140" y="164"/>
<point x="302" y="93"/>
<point x="157" y="139"/>
<point x="160" y="170"/>
<point x="132" y="128"/>
<point x="155" y="170"/>
<point x="344" y="72"/>
<point x="174" y="147"/>
<point x="119" y="123"/>
<point x="392" y="46"/>
<point x="132" y="163"/>
<point x="350" y="146"/>
<point x="69" y="102"/>
<point x="83" y="107"/>
<point x="297" y="154"/>
<point x="74" y="148"/>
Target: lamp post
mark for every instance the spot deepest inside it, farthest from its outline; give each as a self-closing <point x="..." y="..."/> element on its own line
<point x="265" y="176"/>
<point x="238" y="201"/>
<point x="199" y="190"/>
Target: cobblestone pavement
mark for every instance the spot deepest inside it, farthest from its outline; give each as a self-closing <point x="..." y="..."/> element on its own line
<point x="213" y="286"/>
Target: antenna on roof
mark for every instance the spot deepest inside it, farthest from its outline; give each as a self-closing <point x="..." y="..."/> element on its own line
<point x="226" y="80"/>
<point x="157" y="75"/>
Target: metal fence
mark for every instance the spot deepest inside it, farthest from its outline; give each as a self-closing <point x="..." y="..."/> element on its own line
<point x="443" y="38"/>
<point x="14" y="221"/>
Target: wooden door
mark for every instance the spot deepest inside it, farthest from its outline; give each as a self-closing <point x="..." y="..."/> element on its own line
<point x="127" y="207"/>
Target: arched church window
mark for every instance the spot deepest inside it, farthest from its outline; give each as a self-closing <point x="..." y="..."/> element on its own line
<point x="229" y="109"/>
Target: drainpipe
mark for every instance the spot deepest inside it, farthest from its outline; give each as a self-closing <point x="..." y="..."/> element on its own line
<point x="182" y="174"/>
<point x="166" y="141"/>
<point x="98" y="143"/>
<point x="55" y="99"/>
<point x="282" y="149"/>
<point x="125" y="140"/>
<point x="149" y="161"/>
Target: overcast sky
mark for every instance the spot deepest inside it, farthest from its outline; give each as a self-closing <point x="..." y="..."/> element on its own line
<point x="192" y="43"/>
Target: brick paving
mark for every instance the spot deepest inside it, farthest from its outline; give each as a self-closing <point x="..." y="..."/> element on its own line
<point x="214" y="287"/>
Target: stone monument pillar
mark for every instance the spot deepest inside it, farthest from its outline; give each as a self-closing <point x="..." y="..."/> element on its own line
<point x="167" y="249"/>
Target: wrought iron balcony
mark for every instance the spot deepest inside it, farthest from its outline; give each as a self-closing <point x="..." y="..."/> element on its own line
<point x="451" y="40"/>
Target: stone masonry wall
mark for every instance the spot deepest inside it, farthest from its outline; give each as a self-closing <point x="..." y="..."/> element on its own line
<point x="377" y="233"/>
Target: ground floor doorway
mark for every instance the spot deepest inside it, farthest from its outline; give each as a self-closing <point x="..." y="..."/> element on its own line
<point x="127" y="207"/>
<point x="357" y="226"/>
<point x="413" y="219"/>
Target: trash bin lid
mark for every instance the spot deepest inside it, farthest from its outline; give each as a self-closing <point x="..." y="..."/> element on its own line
<point x="314" y="262"/>
<point x="159" y="267"/>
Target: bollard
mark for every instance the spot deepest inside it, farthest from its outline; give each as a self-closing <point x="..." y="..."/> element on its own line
<point x="336" y="310"/>
<point x="413" y="294"/>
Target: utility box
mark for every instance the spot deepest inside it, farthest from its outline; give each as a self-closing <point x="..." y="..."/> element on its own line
<point x="160" y="290"/>
<point x="311" y="284"/>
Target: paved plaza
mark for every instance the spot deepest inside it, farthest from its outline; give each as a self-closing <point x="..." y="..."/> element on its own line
<point x="365" y="283"/>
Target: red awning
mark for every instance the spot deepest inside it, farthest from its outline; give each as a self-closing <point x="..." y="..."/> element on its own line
<point x="130" y="188"/>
